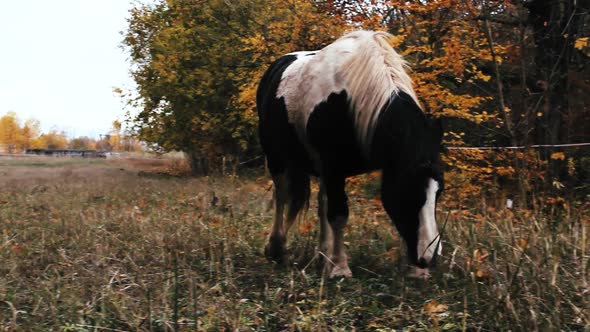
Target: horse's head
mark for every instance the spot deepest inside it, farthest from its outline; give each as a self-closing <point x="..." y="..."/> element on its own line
<point x="410" y="191"/>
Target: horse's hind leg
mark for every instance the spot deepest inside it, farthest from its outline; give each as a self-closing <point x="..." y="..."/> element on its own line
<point x="275" y="248"/>
<point x="292" y="188"/>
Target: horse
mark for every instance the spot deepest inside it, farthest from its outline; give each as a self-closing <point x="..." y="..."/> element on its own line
<point x="348" y="109"/>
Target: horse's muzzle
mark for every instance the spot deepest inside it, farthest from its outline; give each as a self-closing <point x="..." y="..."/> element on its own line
<point x="423" y="263"/>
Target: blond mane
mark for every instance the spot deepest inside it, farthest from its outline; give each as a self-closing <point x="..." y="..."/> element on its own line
<point x="373" y="75"/>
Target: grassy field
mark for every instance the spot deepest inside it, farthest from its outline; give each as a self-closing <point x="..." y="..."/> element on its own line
<point x="105" y="245"/>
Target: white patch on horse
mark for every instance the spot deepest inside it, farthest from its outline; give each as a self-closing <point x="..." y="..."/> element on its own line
<point x="427" y="231"/>
<point x="362" y="63"/>
<point x="304" y="85"/>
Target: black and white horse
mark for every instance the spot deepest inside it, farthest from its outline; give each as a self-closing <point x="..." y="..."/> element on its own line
<point x="345" y="110"/>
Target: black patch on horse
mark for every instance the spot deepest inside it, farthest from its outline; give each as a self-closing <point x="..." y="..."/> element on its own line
<point x="331" y="133"/>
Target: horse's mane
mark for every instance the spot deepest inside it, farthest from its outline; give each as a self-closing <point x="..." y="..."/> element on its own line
<point x="374" y="73"/>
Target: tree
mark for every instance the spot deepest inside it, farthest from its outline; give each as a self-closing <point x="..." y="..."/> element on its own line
<point x="115" y="136"/>
<point x="555" y="25"/>
<point x="30" y="132"/>
<point x="17" y="138"/>
<point x="82" y="143"/>
<point x="191" y="60"/>
<point x="54" y="140"/>
<point x="499" y="72"/>
<point x="182" y="87"/>
<point x="10" y="132"/>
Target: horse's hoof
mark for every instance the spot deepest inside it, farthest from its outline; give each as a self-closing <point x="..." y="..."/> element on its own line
<point x="275" y="253"/>
<point x="341" y="271"/>
<point x="419" y="273"/>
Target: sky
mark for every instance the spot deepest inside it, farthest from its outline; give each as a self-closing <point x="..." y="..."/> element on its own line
<point x="60" y="60"/>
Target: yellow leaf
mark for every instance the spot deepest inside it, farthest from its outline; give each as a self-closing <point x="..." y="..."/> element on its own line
<point x="581" y="43"/>
<point x="485" y="78"/>
<point x="557" y="156"/>
<point x="482" y="275"/>
<point x="433" y="307"/>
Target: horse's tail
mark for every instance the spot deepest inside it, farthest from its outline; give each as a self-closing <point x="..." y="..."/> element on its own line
<point x="291" y="187"/>
<point x="374" y="72"/>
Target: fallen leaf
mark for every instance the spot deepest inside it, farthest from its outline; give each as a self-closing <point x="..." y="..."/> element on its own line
<point x="482" y="274"/>
<point x="433" y="307"/>
<point x="557" y="156"/>
<point x="581" y="43"/>
<point x="305" y="227"/>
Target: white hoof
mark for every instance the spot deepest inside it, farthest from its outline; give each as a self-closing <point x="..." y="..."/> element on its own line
<point x="341" y="271"/>
<point x="419" y="273"/>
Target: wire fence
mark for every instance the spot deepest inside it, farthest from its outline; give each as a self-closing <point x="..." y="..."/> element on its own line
<point x="522" y="147"/>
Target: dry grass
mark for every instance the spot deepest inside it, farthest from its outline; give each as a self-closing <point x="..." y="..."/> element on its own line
<point x="93" y="246"/>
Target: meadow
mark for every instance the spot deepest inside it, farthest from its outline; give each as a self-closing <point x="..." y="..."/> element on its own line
<point x="128" y="245"/>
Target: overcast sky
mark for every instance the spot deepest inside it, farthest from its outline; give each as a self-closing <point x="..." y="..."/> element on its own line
<point x="60" y="60"/>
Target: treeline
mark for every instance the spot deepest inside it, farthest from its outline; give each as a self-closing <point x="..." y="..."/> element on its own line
<point x="17" y="137"/>
<point x="499" y="73"/>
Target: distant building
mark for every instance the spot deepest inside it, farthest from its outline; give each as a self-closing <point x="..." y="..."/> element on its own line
<point x="67" y="153"/>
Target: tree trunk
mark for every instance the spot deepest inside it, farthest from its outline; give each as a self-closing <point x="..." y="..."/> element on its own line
<point x="198" y="164"/>
<point x="553" y="24"/>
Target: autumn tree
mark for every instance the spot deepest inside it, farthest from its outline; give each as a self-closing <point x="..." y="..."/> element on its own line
<point x="54" y="140"/>
<point x="184" y="82"/>
<point x="196" y="65"/>
<point x="31" y="131"/>
<point x="499" y="72"/>
<point x="82" y="143"/>
<point x="450" y="60"/>
<point x="541" y="78"/>
<point x="556" y="25"/>
<point x="15" y="137"/>
<point x="119" y="139"/>
<point x="115" y="136"/>
<point x="10" y="132"/>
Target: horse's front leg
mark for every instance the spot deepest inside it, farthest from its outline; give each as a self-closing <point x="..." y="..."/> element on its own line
<point x="335" y="205"/>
